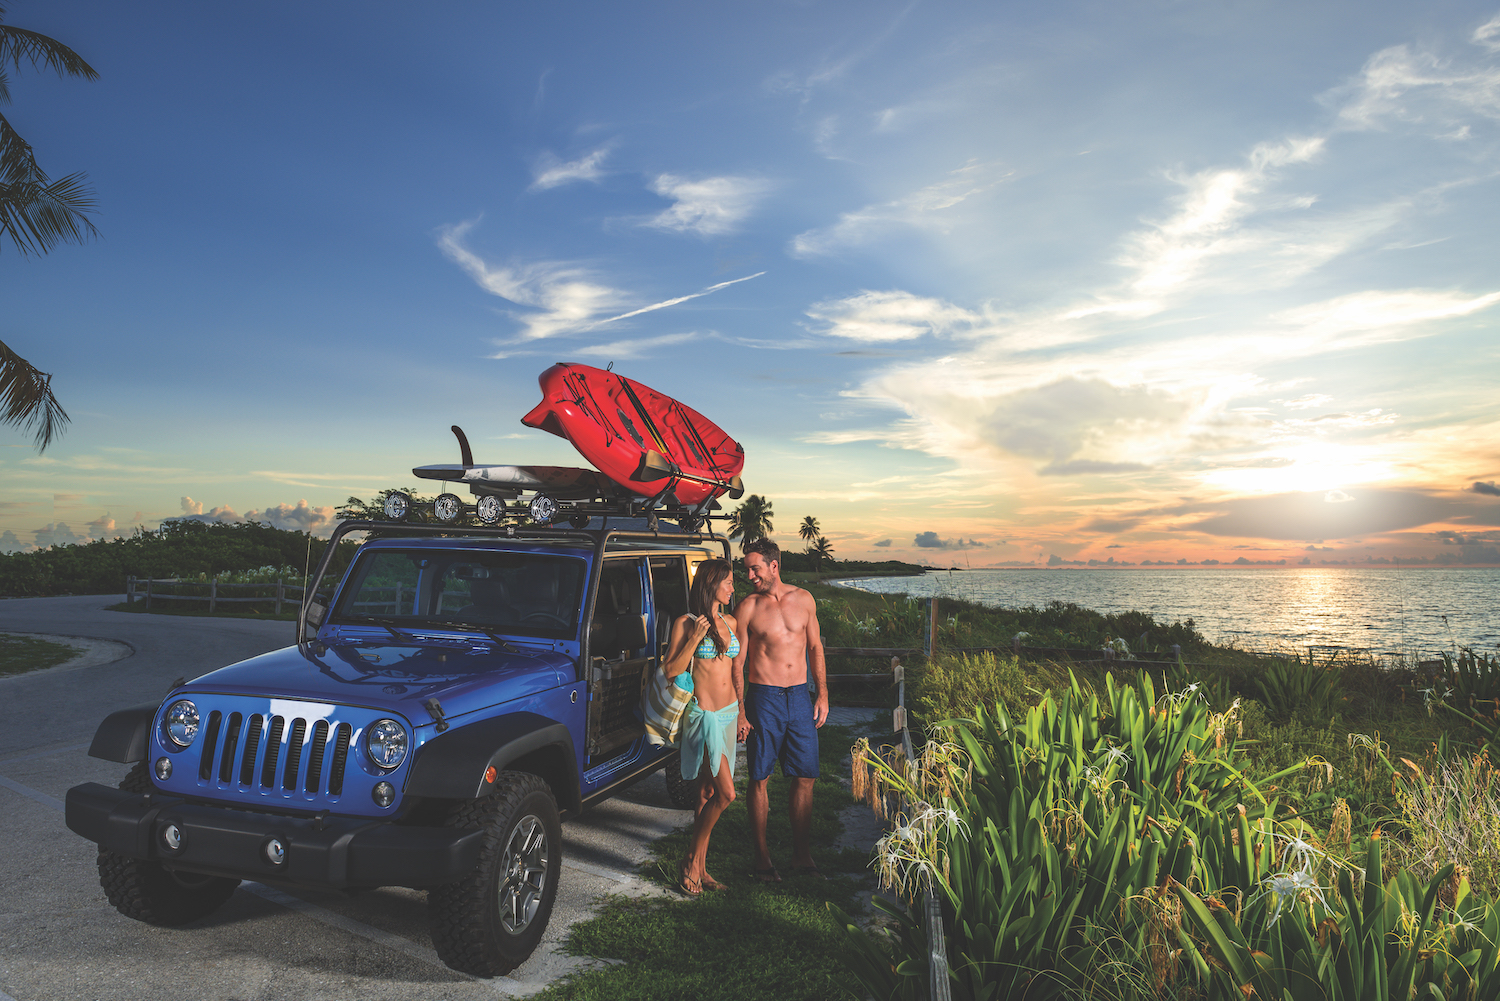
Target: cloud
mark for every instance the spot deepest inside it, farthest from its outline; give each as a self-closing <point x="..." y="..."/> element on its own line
<point x="888" y="316"/>
<point x="302" y="518"/>
<point x="1402" y="85"/>
<point x="552" y="172"/>
<point x="930" y="540"/>
<point x="569" y="298"/>
<point x="566" y="295"/>
<point x="1373" y="317"/>
<point x="193" y="511"/>
<point x="882" y="544"/>
<point x="10" y="544"/>
<point x="58" y="535"/>
<point x="1488" y="34"/>
<point x="1332" y="515"/>
<point x="712" y="206"/>
<point x="1090" y="467"/>
<point x="922" y="209"/>
<point x="101" y="527"/>
<point x="1206" y="224"/>
<point x="190" y="506"/>
<point x="633" y="349"/>
<point x="1480" y="487"/>
<point x="1306" y="402"/>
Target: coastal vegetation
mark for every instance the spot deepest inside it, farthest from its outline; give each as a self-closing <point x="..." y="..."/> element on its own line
<point x="178" y="548"/>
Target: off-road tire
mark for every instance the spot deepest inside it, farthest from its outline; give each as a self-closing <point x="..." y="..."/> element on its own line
<point x="682" y="792"/>
<point x="514" y="882"/>
<point x="148" y="891"/>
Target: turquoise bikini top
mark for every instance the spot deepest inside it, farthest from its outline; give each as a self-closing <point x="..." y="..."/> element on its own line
<point x="707" y="651"/>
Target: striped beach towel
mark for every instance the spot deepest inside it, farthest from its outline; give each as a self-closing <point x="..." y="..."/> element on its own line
<point x="663" y="705"/>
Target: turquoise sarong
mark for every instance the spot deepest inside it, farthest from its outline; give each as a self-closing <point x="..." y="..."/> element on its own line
<point x="708" y="734"/>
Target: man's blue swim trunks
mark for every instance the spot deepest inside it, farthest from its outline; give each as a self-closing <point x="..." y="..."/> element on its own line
<point x="783" y="731"/>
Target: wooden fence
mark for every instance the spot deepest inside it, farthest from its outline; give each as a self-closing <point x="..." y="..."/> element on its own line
<point x="149" y="589"/>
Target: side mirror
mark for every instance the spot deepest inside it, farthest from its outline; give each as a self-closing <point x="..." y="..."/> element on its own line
<point x="312" y="617"/>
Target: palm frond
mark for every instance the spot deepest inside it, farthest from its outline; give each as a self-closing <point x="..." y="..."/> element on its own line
<point x="37" y="212"/>
<point x="18" y="45"/>
<point x="26" y="398"/>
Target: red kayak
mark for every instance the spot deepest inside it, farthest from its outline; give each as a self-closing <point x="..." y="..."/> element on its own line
<point x="647" y="442"/>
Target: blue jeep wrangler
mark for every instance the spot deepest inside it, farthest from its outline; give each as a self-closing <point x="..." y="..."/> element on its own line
<point x="461" y="691"/>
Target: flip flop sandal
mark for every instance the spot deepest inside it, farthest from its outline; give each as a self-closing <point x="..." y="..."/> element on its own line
<point x="689" y="887"/>
<point x="767" y="875"/>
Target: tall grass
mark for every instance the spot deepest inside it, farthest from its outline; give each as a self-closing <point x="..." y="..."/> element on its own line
<point x="1116" y="846"/>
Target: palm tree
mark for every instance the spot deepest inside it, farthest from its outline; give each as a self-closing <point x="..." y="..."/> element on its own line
<point x="820" y="550"/>
<point x="809" y="529"/>
<point x="26" y="398"/>
<point x="35" y="212"/>
<point x="751" y="520"/>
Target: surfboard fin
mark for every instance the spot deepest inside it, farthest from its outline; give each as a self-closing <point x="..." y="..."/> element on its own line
<point x="465" y="455"/>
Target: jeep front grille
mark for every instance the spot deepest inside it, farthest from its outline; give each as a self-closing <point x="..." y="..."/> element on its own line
<point x="233" y="740"/>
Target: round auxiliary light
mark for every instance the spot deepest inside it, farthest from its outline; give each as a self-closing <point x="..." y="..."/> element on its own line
<point x="384" y="794"/>
<point x="447" y="507"/>
<point x="171" y="837"/>
<point x="490" y="509"/>
<point x="385" y="743"/>
<point x="180" y="724"/>
<point x="397" y="505"/>
<point x="274" y="851"/>
<point x="163" y="768"/>
<point x="543" y="509"/>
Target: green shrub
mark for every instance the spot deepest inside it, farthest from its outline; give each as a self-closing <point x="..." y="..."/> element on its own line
<point x="1452" y="817"/>
<point x="1291" y="687"/>
<point x="953" y="686"/>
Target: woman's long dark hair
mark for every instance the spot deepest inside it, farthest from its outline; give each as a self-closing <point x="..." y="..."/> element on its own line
<point x="706" y="581"/>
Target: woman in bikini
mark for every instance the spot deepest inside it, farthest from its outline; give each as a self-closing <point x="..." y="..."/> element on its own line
<point x="702" y="646"/>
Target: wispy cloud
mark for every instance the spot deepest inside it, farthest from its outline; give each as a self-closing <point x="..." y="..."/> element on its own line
<point x="710" y="206"/>
<point x="565" y="294"/>
<point x="1403" y="84"/>
<point x="569" y="299"/>
<point x="888" y="316"/>
<point x="924" y="208"/>
<point x="622" y="350"/>
<point x="552" y="172"/>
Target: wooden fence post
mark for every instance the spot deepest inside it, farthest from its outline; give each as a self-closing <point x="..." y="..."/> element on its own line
<point x="129" y="591"/>
<point x="280" y="593"/>
<point x="213" y="593"/>
<point x="930" y="646"/>
<point x="149" y="583"/>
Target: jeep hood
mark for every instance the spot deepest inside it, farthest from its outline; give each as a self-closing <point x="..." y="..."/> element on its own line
<point x="396" y="676"/>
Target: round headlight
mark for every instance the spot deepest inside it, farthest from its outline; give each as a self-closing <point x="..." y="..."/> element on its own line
<point x="490" y="509"/>
<point x="180" y="724"/>
<point x="447" y="507"/>
<point x="385" y="743"/>
<point x="543" y="509"/>
<point x="396" y="506"/>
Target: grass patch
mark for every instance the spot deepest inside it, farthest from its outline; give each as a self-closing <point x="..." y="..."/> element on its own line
<point x="139" y="608"/>
<point x="752" y="941"/>
<point x="20" y="654"/>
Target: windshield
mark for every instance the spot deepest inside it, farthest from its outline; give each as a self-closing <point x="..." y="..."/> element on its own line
<point x="522" y="594"/>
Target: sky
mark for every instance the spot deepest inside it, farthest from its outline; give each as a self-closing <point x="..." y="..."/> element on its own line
<point x="973" y="283"/>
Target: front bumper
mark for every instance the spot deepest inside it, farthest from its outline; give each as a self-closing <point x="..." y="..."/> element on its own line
<point x="335" y="852"/>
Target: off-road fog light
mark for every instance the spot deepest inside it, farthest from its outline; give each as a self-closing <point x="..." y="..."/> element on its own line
<point x="543" y="509"/>
<point x="164" y="768"/>
<point x="171" y="836"/>
<point x="384" y="794"/>
<point x="490" y="509"/>
<point x="274" y="851"/>
<point x="447" y="507"/>
<point x="396" y="505"/>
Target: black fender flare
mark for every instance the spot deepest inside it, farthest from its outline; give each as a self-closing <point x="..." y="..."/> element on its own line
<point x="123" y="736"/>
<point x="455" y="765"/>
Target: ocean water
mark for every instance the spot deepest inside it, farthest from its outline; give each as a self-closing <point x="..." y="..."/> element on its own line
<point x="1415" y="613"/>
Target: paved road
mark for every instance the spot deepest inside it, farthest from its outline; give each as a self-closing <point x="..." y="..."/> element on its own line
<point x="59" y="937"/>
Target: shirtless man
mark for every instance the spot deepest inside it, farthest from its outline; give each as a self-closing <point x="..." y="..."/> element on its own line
<point x="778" y="719"/>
